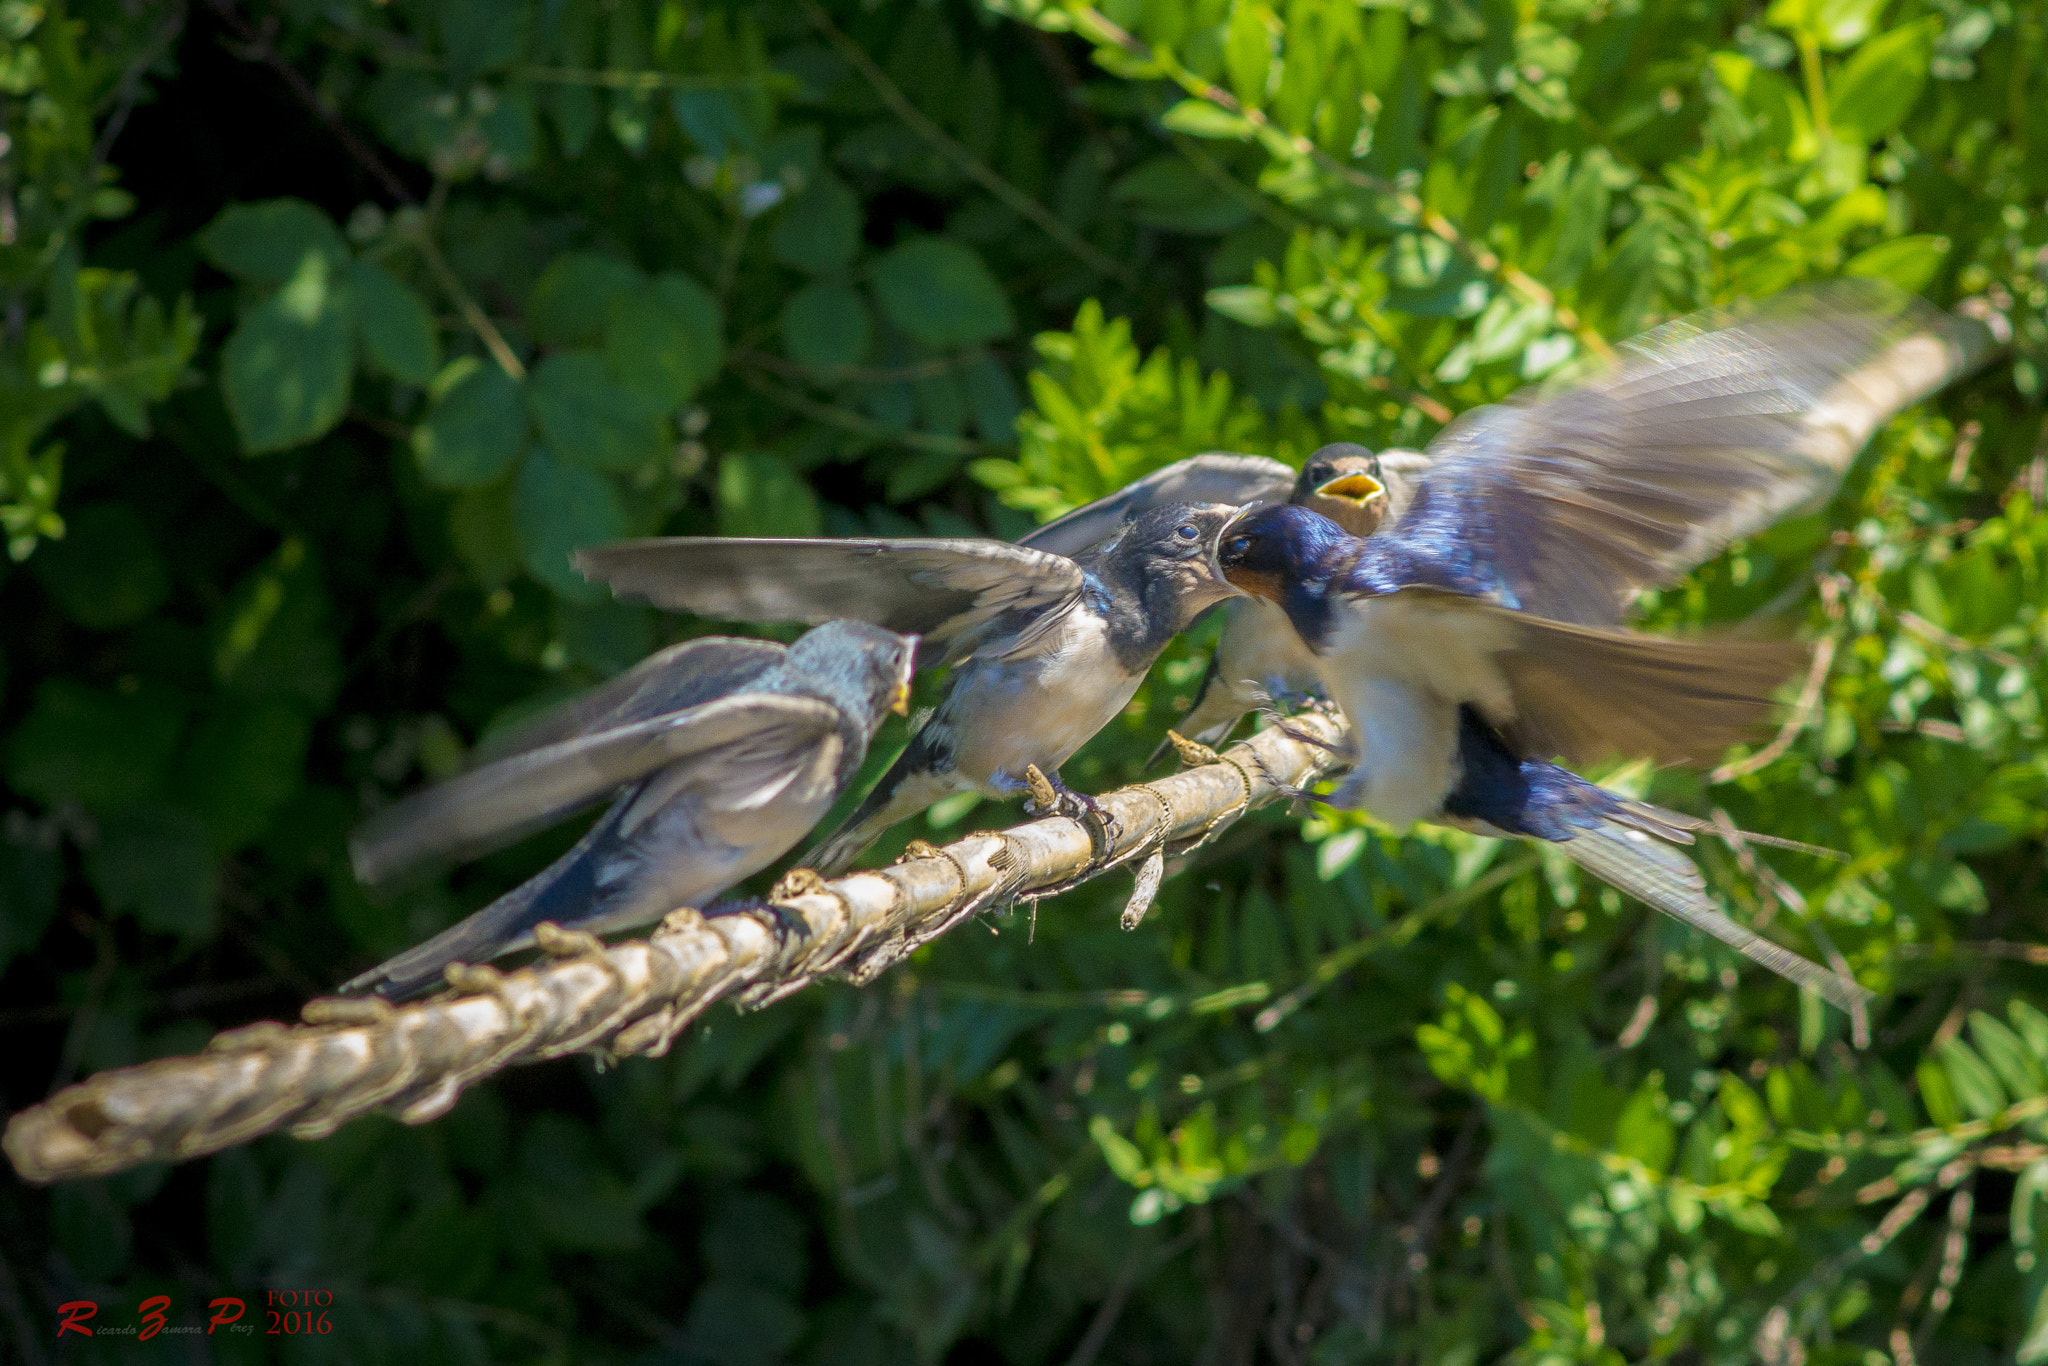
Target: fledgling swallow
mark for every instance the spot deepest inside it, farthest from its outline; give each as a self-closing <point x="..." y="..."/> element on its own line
<point x="1046" y="648"/>
<point x="722" y="753"/>
<point x="1485" y="617"/>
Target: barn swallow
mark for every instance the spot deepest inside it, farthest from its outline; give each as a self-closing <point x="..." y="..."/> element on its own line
<point x="1489" y="610"/>
<point x="1046" y="648"/>
<point x="722" y="754"/>
<point x="1258" y="658"/>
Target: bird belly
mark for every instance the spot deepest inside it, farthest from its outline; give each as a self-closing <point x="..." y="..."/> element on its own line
<point x="1007" y="714"/>
<point x="1398" y="673"/>
<point x="695" y="847"/>
<point x="1441" y="650"/>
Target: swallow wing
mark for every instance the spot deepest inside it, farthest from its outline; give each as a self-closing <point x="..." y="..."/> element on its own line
<point x="953" y="593"/>
<point x="1704" y="430"/>
<point x="1214" y="477"/>
<point x="668" y="681"/>
<point x="498" y="803"/>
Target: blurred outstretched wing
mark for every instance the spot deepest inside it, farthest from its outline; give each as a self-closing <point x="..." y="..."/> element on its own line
<point x="668" y="681"/>
<point x="1214" y="477"/>
<point x="1704" y="430"/>
<point x="501" y="801"/>
<point x="950" y="592"/>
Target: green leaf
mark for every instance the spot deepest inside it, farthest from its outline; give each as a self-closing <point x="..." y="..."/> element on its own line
<point x="714" y="120"/>
<point x="1248" y="52"/>
<point x="103" y="750"/>
<point x="1937" y="1093"/>
<point x="569" y="302"/>
<point x="475" y="432"/>
<point x="1911" y="263"/>
<point x="587" y="418"/>
<point x="2009" y="1057"/>
<point x="760" y="495"/>
<point x="1644" y="1132"/>
<point x="2031" y="1024"/>
<point x="819" y="230"/>
<point x="826" y="326"/>
<point x="286" y="370"/>
<point x="480" y="524"/>
<point x="1842" y="24"/>
<point x="268" y="243"/>
<point x="1201" y="119"/>
<point x="154" y="862"/>
<point x="1877" y="88"/>
<point x="1975" y="1085"/>
<point x="663" y="341"/>
<point x="560" y="508"/>
<point x="106" y="571"/>
<point x="242" y="764"/>
<point x="396" y="328"/>
<point x="940" y="293"/>
<point x="1169" y="193"/>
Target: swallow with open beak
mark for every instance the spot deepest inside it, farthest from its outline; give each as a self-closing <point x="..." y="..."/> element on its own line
<point x="1046" y="649"/>
<point x="1477" y="636"/>
<point x="721" y="754"/>
<point x="1258" y="658"/>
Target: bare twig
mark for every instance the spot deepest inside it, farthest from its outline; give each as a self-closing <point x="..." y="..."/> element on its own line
<point x="355" y="1055"/>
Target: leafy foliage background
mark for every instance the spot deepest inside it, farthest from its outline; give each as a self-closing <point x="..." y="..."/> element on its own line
<point x="328" y="328"/>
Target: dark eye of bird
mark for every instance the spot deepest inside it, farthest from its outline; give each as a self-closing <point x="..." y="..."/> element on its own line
<point x="1186" y="533"/>
<point x="1239" y="546"/>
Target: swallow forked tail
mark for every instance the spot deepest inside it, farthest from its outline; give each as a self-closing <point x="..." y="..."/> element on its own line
<point x="1634" y="860"/>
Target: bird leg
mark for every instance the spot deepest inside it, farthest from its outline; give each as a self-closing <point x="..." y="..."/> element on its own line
<point x="1050" y="796"/>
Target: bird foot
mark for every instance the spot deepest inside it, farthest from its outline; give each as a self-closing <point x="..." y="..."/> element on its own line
<point x="1050" y="796"/>
<point x="557" y="942"/>
<point x="796" y="882"/>
<point x="1192" y="753"/>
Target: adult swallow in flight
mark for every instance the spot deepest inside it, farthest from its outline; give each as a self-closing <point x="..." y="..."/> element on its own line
<point x="1482" y="622"/>
<point x="722" y="754"/>
<point x="1046" y="648"/>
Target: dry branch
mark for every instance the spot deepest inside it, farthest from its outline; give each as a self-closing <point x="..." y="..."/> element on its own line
<point x="355" y="1055"/>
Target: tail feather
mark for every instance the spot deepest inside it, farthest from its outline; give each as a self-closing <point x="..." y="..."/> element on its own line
<point x="1658" y="875"/>
<point x="910" y="785"/>
<point x="564" y="891"/>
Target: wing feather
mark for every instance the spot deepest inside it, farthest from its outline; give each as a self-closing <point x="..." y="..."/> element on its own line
<point x="1706" y="430"/>
<point x="499" y="802"/>
<point x="950" y="592"/>
<point x="1213" y="477"/>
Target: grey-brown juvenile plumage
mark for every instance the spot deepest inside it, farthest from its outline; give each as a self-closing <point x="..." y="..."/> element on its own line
<point x="1046" y="649"/>
<point x="722" y="753"/>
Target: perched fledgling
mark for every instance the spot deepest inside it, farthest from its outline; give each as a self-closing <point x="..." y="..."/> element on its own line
<point x="723" y="754"/>
<point x="1046" y="649"/>
<point x="1482" y="622"/>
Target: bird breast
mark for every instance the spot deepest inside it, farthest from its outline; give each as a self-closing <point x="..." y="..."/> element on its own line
<point x="1038" y="709"/>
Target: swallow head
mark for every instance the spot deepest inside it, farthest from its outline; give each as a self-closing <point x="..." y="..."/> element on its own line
<point x="863" y="670"/>
<point x="1344" y="483"/>
<point x="1275" y="550"/>
<point x="1170" y="552"/>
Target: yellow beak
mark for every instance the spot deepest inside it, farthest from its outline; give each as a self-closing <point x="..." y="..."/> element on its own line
<point x="1359" y="488"/>
<point x="899" y="701"/>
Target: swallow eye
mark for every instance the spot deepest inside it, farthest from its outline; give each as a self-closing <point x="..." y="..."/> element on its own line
<point x="1239" y="547"/>
<point x="1187" y="532"/>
